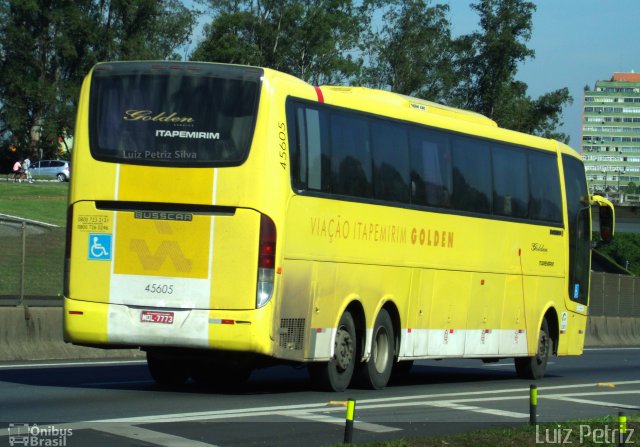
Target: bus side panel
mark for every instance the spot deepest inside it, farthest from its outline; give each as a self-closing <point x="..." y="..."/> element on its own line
<point x="451" y="290"/>
<point x="513" y="337"/>
<point x="90" y="269"/>
<point x="485" y="311"/>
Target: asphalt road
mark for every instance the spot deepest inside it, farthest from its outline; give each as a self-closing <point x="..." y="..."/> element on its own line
<point x="117" y="403"/>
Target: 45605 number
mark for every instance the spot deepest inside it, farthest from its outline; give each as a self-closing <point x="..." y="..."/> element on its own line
<point x="166" y="289"/>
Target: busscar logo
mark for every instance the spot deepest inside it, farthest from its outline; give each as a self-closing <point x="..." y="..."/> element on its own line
<point x="163" y="215"/>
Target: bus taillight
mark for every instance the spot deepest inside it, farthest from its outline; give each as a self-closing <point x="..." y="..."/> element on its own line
<point x="266" y="261"/>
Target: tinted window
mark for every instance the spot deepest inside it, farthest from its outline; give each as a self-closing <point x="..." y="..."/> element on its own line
<point x="172" y="113"/>
<point x="579" y="224"/>
<point x="510" y="185"/>
<point x="545" y="201"/>
<point x="390" y="161"/>
<point x="350" y="156"/>
<point x="471" y="175"/>
<point x="430" y="168"/>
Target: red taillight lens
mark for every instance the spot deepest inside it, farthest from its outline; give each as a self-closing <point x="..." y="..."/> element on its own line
<point x="267" y="247"/>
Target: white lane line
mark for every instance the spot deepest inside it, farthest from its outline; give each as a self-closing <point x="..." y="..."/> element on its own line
<point x="58" y="364"/>
<point x="124" y="382"/>
<point x="366" y="426"/>
<point x="152" y="436"/>
<point x="387" y="402"/>
<point x="594" y="402"/>
<point x="454" y="406"/>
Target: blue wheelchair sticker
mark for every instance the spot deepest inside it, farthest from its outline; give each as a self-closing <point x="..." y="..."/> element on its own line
<point x="100" y="247"/>
<point x="576" y="291"/>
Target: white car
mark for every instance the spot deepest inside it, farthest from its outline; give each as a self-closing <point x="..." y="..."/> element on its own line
<point x="51" y="169"/>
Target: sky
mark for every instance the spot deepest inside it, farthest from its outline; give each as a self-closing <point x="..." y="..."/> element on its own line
<point x="577" y="42"/>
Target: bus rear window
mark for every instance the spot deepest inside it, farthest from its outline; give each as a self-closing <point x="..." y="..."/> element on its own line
<point x="173" y="114"/>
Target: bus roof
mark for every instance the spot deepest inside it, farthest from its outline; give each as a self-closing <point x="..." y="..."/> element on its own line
<point x="398" y="100"/>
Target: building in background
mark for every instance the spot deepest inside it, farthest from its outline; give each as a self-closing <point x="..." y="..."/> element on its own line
<point x="611" y="137"/>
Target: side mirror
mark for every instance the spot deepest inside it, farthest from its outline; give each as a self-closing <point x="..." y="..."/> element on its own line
<point x="606" y="215"/>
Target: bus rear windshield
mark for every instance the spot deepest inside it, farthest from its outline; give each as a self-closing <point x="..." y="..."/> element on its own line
<point x="173" y="114"/>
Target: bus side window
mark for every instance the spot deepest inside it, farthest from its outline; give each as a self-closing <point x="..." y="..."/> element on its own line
<point x="510" y="183"/>
<point x="390" y="161"/>
<point x="430" y="169"/>
<point x="314" y="150"/>
<point x="350" y="156"/>
<point x="471" y="175"/>
<point x="545" y="202"/>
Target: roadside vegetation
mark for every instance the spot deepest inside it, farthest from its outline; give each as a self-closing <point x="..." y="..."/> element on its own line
<point x="586" y="432"/>
<point x="43" y="246"/>
<point x="42" y="201"/>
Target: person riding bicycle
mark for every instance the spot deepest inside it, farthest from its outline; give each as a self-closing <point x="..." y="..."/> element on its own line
<point x="18" y="173"/>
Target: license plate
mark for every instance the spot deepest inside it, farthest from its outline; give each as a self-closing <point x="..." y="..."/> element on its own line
<point x="152" y="316"/>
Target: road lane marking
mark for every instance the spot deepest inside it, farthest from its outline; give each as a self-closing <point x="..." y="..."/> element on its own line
<point x="59" y="364"/>
<point x="455" y="406"/>
<point x="387" y="402"/>
<point x="594" y="402"/>
<point x="152" y="436"/>
<point x="360" y="425"/>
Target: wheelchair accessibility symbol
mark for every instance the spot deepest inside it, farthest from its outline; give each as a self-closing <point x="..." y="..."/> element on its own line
<point x="99" y="247"/>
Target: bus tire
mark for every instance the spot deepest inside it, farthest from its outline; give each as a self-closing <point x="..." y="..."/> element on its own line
<point x="336" y="374"/>
<point x="375" y="373"/>
<point x="533" y="368"/>
<point x="167" y="371"/>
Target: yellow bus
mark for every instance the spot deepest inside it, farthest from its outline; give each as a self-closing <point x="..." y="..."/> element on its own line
<point x="222" y="218"/>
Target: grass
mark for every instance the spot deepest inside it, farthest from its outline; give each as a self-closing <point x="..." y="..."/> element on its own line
<point x="44" y="247"/>
<point x="41" y="201"/>
<point x="585" y="432"/>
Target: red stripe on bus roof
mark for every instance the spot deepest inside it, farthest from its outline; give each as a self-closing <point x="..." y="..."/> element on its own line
<point x="319" y="93"/>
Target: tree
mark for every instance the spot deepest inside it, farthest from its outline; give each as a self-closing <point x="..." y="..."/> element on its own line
<point x="624" y="248"/>
<point x="413" y="52"/>
<point x="48" y="46"/>
<point x="492" y="56"/>
<point x="631" y="188"/>
<point x="313" y="40"/>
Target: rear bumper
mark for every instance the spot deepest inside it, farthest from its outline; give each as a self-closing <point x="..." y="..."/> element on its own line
<point x="115" y="325"/>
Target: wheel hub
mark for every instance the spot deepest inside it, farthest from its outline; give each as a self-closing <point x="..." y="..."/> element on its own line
<point x="343" y="349"/>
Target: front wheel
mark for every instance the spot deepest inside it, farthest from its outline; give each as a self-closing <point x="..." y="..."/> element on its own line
<point x="533" y="368"/>
<point x="376" y="372"/>
<point x="61" y="177"/>
<point x="336" y="374"/>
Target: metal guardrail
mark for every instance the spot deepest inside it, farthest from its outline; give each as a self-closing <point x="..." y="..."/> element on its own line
<point x="614" y="295"/>
<point x="31" y="262"/>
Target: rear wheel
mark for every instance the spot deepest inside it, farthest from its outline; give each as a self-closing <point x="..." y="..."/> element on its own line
<point x="61" y="177"/>
<point x="336" y="374"/>
<point x="533" y="368"/>
<point x="376" y="372"/>
<point x="166" y="371"/>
